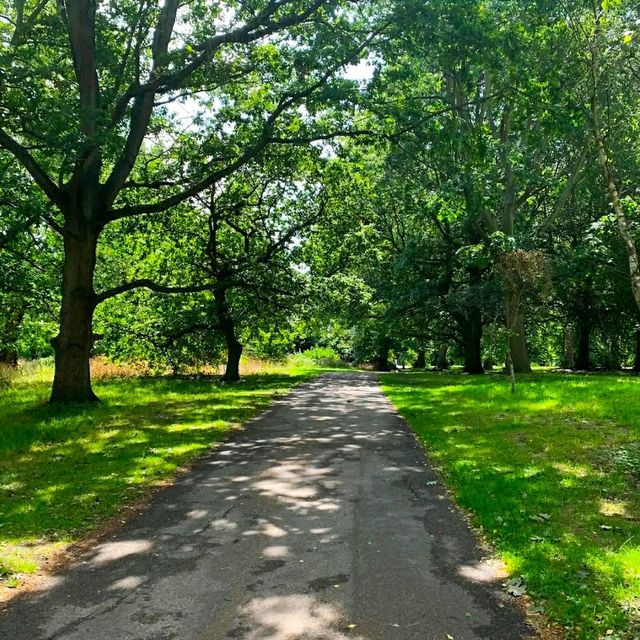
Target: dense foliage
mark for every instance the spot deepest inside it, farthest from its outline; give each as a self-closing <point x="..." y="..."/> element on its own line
<point x="391" y="183"/>
<point x="398" y="182"/>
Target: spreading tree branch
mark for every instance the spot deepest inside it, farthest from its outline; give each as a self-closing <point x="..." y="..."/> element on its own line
<point x="40" y="176"/>
<point x="145" y="283"/>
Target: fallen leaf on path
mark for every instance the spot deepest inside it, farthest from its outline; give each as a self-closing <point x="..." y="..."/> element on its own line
<point x="536" y="611"/>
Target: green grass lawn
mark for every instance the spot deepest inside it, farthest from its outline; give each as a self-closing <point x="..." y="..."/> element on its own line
<point x="64" y="470"/>
<point x="551" y="475"/>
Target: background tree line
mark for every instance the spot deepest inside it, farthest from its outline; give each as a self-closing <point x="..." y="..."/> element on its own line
<point x="418" y="181"/>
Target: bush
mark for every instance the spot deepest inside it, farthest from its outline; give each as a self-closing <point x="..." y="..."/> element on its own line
<point x="319" y="357"/>
<point x="6" y="376"/>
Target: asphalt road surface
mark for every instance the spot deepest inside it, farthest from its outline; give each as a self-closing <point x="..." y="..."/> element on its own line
<point x="321" y="521"/>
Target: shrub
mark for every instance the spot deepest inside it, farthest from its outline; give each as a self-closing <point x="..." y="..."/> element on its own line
<point x="319" y="357"/>
<point x="7" y="375"/>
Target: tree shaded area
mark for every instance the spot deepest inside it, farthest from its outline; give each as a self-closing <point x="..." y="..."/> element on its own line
<point x="436" y="184"/>
<point x="550" y="477"/>
<point x="398" y="182"/>
<point x="67" y="469"/>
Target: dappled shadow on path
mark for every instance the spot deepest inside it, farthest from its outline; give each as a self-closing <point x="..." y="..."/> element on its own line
<point x="321" y="521"/>
<point x="541" y="471"/>
<point x="66" y="467"/>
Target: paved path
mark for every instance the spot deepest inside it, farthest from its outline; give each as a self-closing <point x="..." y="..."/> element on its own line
<point x="321" y="521"/>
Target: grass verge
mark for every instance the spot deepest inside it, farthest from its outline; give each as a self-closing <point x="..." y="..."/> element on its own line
<point x="551" y="476"/>
<point x="64" y="470"/>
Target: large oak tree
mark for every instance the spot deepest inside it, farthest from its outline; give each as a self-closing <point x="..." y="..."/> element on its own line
<point x="90" y="90"/>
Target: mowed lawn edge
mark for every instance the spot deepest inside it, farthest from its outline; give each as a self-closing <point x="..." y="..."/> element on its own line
<point x="66" y="470"/>
<point x="550" y="476"/>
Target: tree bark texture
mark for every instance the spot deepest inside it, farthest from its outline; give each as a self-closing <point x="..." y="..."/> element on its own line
<point x="568" y="357"/>
<point x="442" y="359"/>
<point x="421" y="360"/>
<point x="73" y="344"/>
<point x="228" y="328"/>
<point x="471" y="331"/>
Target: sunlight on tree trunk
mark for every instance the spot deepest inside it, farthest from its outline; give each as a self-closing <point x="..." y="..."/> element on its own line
<point x="613" y="191"/>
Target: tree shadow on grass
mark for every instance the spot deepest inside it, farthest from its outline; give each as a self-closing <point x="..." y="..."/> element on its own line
<point x="536" y="472"/>
<point x="64" y="469"/>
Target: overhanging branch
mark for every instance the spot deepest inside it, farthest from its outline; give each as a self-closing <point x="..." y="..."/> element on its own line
<point x="145" y="283"/>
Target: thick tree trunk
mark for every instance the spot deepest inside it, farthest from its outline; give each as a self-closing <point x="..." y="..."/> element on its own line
<point x="9" y="357"/>
<point x="234" y="353"/>
<point x="228" y="328"/>
<point x="382" y="360"/>
<point x="471" y="330"/>
<point x="516" y="335"/>
<point x="73" y="344"/>
<point x="568" y="357"/>
<point x="442" y="360"/>
<point x="421" y="360"/>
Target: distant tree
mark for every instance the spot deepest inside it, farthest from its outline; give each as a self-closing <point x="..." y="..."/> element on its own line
<point x="240" y="240"/>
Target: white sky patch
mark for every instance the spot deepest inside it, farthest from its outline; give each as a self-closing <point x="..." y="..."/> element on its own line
<point x="327" y="148"/>
<point x="185" y="108"/>
<point x="361" y="72"/>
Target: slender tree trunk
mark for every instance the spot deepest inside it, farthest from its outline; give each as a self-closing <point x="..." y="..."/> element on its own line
<point x="421" y="360"/>
<point x="603" y="160"/>
<point x="614" y="354"/>
<point x="623" y="225"/>
<point x="568" y="358"/>
<point x="517" y="357"/>
<point x="10" y="335"/>
<point x="228" y="328"/>
<point x="517" y="351"/>
<point x="509" y="366"/>
<point x="636" y="360"/>
<point x="73" y="344"/>
<point x="471" y="330"/>
<point x="442" y="360"/>
<point x="583" y="358"/>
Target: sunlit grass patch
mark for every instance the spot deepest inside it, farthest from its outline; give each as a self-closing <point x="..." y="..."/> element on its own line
<point x="65" y="470"/>
<point x="551" y="475"/>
